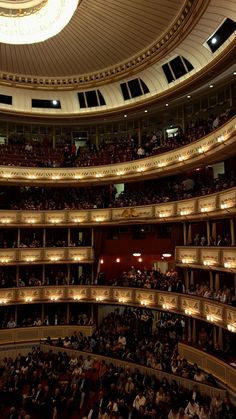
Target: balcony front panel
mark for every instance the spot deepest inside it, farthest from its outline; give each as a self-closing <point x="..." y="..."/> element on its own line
<point x="208" y="310"/>
<point x="204" y="151"/>
<point x="46" y="255"/>
<point x="221" y="370"/>
<point x="218" y="258"/>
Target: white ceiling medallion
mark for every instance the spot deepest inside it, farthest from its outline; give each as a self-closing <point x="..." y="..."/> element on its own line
<point x="31" y="21"/>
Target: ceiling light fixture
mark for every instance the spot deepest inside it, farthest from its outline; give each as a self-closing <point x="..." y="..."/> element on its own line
<point x="37" y="21"/>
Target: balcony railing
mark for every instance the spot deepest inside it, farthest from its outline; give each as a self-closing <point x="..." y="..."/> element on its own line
<point x="220" y="314"/>
<point x="204" y="151"/>
<point x="218" y="204"/>
<point x="46" y="255"/>
<point x="217" y="258"/>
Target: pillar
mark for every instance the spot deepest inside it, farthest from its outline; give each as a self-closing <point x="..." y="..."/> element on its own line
<point x="97" y="136"/>
<point x="16" y="314"/>
<point x="191" y="278"/>
<point x="53" y="137"/>
<point x="43" y="275"/>
<point x="44" y="237"/>
<point x="214" y="335"/>
<point x="189" y="337"/>
<point x="217" y="280"/>
<point x="211" y="279"/>
<point x="208" y="233"/>
<point x="220" y="338"/>
<point x="69" y="237"/>
<point x="17" y="275"/>
<point x="194" y="337"/>
<point x="68" y="273"/>
<point x="139" y="132"/>
<point x="67" y="313"/>
<point x="186" y="279"/>
<point x="232" y="232"/>
<point x="42" y="314"/>
<point x="18" y="237"/>
<point x="185" y="233"/>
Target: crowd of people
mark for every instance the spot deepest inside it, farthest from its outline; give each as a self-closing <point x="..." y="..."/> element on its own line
<point x="32" y="153"/>
<point x="198" y="183"/>
<point x="57" y="386"/>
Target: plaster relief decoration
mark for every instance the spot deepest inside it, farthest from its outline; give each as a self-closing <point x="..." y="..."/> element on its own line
<point x="168" y="302"/>
<point x="100" y="216"/>
<point x="6" y="296"/>
<point x="55" y="217"/>
<point x="210" y="257"/>
<point x="100" y="294"/>
<point x="227" y="199"/>
<point x="78" y="294"/>
<point x="78" y="217"/>
<point x="122" y="296"/>
<point x="186" y="255"/>
<point x="54" y="294"/>
<point x="229" y="259"/>
<point x="213" y="312"/>
<point x="79" y="254"/>
<point x="29" y="295"/>
<point x="231" y="320"/>
<point x="207" y="204"/>
<point x="186" y="207"/>
<point x="8" y="217"/>
<point x="139" y="212"/>
<point x="165" y="211"/>
<point x="31" y="217"/>
<point x="54" y="255"/>
<point x="145" y="298"/>
<point x="8" y="256"/>
<point x="30" y="255"/>
<point x="190" y="306"/>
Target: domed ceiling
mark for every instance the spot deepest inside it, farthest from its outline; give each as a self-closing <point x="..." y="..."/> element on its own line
<point x="101" y="34"/>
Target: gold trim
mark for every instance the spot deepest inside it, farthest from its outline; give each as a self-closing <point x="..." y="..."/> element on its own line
<point x="190" y="13"/>
<point x="21" y="12"/>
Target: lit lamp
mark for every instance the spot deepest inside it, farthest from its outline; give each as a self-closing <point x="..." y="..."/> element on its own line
<point x="30" y="22"/>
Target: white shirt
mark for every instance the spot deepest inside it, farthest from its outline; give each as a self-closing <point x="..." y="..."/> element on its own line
<point x="139" y="401"/>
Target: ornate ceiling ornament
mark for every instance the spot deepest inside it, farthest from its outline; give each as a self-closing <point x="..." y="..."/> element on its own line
<point x="32" y="21"/>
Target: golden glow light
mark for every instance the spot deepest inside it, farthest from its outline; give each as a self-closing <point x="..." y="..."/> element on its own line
<point x="43" y="24"/>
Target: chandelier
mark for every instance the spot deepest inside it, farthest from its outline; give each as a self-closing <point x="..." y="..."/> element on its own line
<point x="31" y="21"/>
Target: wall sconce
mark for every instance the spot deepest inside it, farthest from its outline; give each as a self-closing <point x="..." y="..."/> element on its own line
<point x="231" y="328"/>
<point x="227" y="205"/>
<point x="117" y="260"/>
<point x="4" y="260"/>
<point x="28" y="299"/>
<point x="77" y="220"/>
<point x="99" y="219"/>
<point x="121" y="173"/>
<point x="208" y="262"/>
<point x="164" y="214"/>
<point x="55" y="177"/>
<point x="98" y="175"/>
<point x="220" y="139"/>
<point x="144" y="303"/>
<point x="5" y="220"/>
<point x="3" y="301"/>
<point x="228" y="265"/>
<point x="78" y="177"/>
<point x="166" y="306"/>
<point x="99" y="299"/>
<point x="186" y="261"/>
<point x="140" y="260"/>
<point x="161" y="164"/>
<point x="188" y="311"/>
<point x="54" y="298"/>
<point x="140" y="169"/>
<point x="185" y="212"/>
<point x="54" y="258"/>
<point x="122" y="300"/>
<point x="77" y="258"/>
<point x="31" y="221"/>
<point x="30" y="259"/>
<point x="55" y="220"/>
<point x="102" y="261"/>
<point x="201" y="150"/>
<point x="182" y="158"/>
<point x="32" y="177"/>
<point x="7" y="175"/>
<point x="77" y="297"/>
<point x="211" y="318"/>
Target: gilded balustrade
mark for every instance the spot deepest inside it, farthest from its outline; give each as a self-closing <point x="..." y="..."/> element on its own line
<point x="218" y="144"/>
<point x="217" y="258"/>
<point x="215" y="205"/>
<point x="25" y="255"/>
<point x="205" y="309"/>
<point x="221" y="370"/>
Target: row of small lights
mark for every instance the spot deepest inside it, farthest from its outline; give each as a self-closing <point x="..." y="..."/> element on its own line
<point x="161" y="214"/>
<point x="208" y="262"/>
<point x="182" y="158"/>
<point x="188" y="311"/>
<point x="34" y="259"/>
